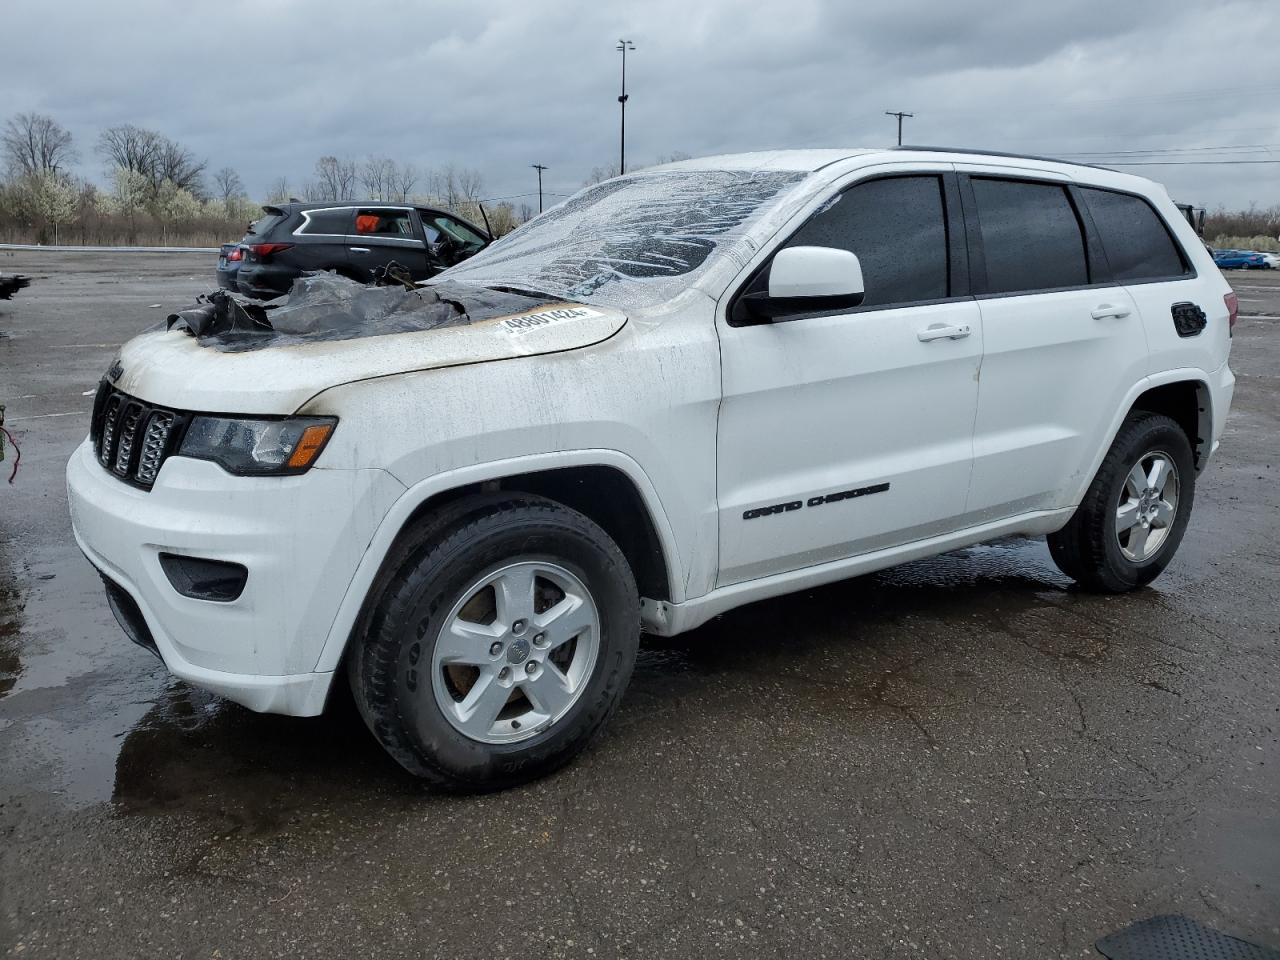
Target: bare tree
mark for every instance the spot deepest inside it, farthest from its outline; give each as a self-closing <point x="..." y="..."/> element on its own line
<point x="470" y="184"/>
<point x="279" y="192"/>
<point x="153" y="155"/>
<point x="376" y="176"/>
<point x="403" y="178"/>
<point x="335" y="179"/>
<point x="228" y="184"/>
<point x="35" y="144"/>
<point x="600" y="174"/>
<point x="131" y="148"/>
<point x="444" y="187"/>
<point x="179" y="166"/>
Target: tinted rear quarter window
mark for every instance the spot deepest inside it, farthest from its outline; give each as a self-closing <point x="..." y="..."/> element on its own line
<point x="1030" y="235"/>
<point x="1136" y="240"/>
<point x="898" y="229"/>
<point x="265" y="224"/>
<point x="331" y="222"/>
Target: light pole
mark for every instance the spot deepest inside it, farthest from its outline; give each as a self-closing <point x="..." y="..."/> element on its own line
<point x="539" y="167"/>
<point x="623" y="46"/>
<point x="899" y="114"/>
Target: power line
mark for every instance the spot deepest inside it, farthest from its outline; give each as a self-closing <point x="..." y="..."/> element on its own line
<point x="1186" y="163"/>
<point x="520" y="196"/>
<point x="1151" y="150"/>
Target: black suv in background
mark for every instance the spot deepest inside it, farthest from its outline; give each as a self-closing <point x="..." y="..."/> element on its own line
<point x="353" y="239"/>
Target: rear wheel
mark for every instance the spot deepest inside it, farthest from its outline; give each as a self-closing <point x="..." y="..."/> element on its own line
<point x="501" y="640"/>
<point x="1130" y="522"/>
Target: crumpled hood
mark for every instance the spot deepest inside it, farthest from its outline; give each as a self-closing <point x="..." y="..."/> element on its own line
<point x="172" y="368"/>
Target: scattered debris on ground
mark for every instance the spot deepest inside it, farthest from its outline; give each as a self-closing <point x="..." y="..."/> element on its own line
<point x="12" y="284"/>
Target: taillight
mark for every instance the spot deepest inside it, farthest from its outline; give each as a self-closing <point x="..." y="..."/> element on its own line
<point x="235" y="254"/>
<point x="1233" y="311"/>
<point x="263" y="251"/>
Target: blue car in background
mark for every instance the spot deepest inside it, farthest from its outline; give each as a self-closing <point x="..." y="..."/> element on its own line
<point x="1239" y="260"/>
<point x="230" y="257"/>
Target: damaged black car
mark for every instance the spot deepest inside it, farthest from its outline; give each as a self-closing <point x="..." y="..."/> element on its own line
<point x="354" y="240"/>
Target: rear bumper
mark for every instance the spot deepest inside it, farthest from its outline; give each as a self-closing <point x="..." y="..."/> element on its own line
<point x="1222" y="388"/>
<point x="265" y="280"/>
<point x="301" y="539"/>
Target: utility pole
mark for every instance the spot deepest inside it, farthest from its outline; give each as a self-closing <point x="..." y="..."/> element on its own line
<point x="899" y="114"/>
<point x="624" y="46"/>
<point x="539" y="167"/>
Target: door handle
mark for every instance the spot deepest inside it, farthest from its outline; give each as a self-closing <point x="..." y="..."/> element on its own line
<point x="943" y="331"/>
<point x="1106" y="311"/>
<point x="359" y="249"/>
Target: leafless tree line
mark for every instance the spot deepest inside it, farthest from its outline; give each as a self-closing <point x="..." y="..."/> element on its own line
<point x="1254" y="228"/>
<point x="159" y="190"/>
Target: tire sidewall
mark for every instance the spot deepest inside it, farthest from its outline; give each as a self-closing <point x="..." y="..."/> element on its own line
<point x="1161" y="437"/>
<point x="429" y="733"/>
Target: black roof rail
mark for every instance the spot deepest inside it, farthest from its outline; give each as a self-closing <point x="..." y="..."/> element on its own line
<point x="996" y="153"/>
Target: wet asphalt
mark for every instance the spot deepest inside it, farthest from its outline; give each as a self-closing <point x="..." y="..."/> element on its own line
<point x="961" y="757"/>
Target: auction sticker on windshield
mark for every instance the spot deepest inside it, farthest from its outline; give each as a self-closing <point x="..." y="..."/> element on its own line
<point x="543" y="318"/>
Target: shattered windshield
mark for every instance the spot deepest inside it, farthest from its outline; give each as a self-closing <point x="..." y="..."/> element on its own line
<point x="633" y="241"/>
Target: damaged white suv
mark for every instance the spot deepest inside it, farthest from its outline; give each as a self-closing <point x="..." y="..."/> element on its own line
<point x="681" y="391"/>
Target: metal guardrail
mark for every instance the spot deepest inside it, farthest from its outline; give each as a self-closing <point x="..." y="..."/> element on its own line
<point x="45" y="248"/>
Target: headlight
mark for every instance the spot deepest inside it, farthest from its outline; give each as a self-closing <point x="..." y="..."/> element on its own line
<point x="252" y="447"/>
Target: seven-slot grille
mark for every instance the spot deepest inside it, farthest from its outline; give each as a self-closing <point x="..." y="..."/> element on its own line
<point x="131" y="438"/>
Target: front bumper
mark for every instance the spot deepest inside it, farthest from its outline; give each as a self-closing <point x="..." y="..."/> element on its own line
<point x="301" y="539"/>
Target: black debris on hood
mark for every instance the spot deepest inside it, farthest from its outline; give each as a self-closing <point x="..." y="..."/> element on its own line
<point x="322" y="307"/>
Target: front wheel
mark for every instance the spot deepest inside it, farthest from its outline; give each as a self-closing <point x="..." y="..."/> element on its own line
<point x="1130" y="522"/>
<point x="503" y="637"/>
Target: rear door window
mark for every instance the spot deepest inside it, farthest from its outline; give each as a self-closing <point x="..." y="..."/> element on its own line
<point x="898" y="228"/>
<point x="1137" y="242"/>
<point x="335" y="221"/>
<point x="1031" y="236"/>
<point x="388" y="224"/>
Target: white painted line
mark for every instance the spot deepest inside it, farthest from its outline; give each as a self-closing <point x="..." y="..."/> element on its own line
<point x="1257" y="316"/>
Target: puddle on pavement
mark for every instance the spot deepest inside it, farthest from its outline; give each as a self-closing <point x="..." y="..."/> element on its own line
<point x="11" y="607"/>
<point x="988" y="581"/>
<point x="104" y="722"/>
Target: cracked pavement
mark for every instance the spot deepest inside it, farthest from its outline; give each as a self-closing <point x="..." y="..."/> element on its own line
<point x="961" y="757"/>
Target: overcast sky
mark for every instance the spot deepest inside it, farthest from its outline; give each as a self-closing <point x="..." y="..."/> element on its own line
<point x="267" y="86"/>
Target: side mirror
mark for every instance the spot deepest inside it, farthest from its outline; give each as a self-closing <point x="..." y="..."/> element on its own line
<point x="803" y="279"/>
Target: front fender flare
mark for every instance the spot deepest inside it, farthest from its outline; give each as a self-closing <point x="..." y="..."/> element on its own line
<point x="422" y="491"/>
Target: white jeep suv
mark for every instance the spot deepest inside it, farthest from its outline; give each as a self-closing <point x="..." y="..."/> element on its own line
<point x="682" y="390"/>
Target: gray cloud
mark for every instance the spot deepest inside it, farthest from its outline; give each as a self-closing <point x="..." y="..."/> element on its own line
<point x="268" y="87"/>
